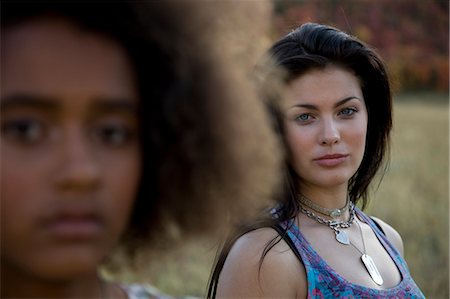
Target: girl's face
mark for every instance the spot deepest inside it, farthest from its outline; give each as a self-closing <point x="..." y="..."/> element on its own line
<point x="69" y="148"/>
<point x="326" y="126"/>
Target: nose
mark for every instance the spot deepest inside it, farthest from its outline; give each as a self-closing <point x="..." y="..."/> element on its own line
<point x="78" y="169"/>
<point x="329" y="133"/>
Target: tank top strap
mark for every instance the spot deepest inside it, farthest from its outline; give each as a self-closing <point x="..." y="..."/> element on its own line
<point x="389" y="247"/>
<point x="324" y="282"/>
<point x="315" y="267"/>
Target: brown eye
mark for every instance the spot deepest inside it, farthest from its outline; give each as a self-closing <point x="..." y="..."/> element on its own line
<point x="114" y="135"/>
<point x="25" y="131"/>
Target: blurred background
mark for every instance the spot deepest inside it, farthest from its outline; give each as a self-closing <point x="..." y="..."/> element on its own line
<point x="413" y="38"/>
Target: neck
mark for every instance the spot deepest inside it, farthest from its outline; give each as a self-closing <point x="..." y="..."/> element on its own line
<point x="330" y="198"/>
<point x="86" y="286"/>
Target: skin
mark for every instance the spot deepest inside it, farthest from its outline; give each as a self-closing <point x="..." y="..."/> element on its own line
<point x="321" y="121"/>
<point x="318" y="121"/>
<point x="70" y="158"/>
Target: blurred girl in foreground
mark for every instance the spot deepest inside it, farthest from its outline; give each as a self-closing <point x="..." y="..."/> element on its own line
<point x="118" y="135"/>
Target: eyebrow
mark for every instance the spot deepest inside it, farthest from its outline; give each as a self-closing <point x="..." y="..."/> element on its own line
<point x="52" y="104"/>
<point x="114" y="105"/>
<point x="24" y="100"/>
<point x="339" y="103"/>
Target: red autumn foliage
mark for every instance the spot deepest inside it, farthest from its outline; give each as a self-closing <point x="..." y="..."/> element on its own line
<point x="411" y="35"/>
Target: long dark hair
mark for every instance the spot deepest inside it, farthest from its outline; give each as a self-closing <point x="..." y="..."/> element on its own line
<point x="315" y="46"/>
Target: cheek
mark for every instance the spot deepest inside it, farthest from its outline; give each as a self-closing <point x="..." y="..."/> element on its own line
<point x="121" y="184"/>
<point x="357" y="138"/>
<point x="21" y="197"/>
<point x="299" y="139"/>
<point x="23" y="185"/>
<point x="300" y="142"/>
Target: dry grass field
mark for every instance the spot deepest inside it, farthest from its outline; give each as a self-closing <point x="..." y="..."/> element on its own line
<point x="413" y="198"/>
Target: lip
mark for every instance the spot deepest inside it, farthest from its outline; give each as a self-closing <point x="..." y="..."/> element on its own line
<point x="331" y="160"/>
<point x="74" y="225"/>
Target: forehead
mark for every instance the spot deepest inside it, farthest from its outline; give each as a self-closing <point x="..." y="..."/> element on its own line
<point x="331" y="83"/>
<point x="53" y="57"/>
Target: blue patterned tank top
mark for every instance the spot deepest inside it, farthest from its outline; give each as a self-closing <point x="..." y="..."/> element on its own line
<point x="324" y="282"/>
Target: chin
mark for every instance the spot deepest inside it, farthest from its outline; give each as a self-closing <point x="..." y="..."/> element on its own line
<point x="68" y="264"/>
<point x="328" y="182"/>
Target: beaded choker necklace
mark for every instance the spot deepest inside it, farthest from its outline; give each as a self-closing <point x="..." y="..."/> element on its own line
<point x="333" y="213"/>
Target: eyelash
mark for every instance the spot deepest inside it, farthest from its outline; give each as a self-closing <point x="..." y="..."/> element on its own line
<point x="26" y="131"/>
<point x="114" y="134"/>
<point x="298" y="118"/>
<point x="345" y="113"/>
<point x="31" y="132"/>
<point x="352" y="111"/>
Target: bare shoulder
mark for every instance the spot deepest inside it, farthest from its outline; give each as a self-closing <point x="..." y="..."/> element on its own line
<point x="279" y="274"/>
<point x="392" y="235"/>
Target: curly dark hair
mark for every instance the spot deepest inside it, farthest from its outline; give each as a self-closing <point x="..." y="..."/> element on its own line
<point x="208" y="151"/>
<point x="316" y="46"/>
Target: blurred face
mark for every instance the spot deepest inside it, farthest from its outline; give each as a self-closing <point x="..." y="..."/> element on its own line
<point x="69" y="149"/>
<point x="326" y="125"/>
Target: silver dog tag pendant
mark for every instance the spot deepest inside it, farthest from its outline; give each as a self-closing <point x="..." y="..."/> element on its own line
<point x="372" y="269"/>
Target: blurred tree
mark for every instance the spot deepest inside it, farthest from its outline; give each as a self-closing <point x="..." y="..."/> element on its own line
<point x="411" y="35"/>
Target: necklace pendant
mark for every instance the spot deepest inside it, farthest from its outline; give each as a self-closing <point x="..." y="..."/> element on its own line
<point x="342" y="237"/>
<point x="336" y="213"/>
<point x="372" y="269"/>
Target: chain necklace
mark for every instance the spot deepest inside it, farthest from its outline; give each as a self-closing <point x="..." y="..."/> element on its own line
<point x="333" y="213"/>
<point x="368" y="262"/>
<point x="336" y="226"/>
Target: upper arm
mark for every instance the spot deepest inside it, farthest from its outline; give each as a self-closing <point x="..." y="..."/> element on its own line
<point x="392" y="235"/>
<point x="281" y="275"/>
